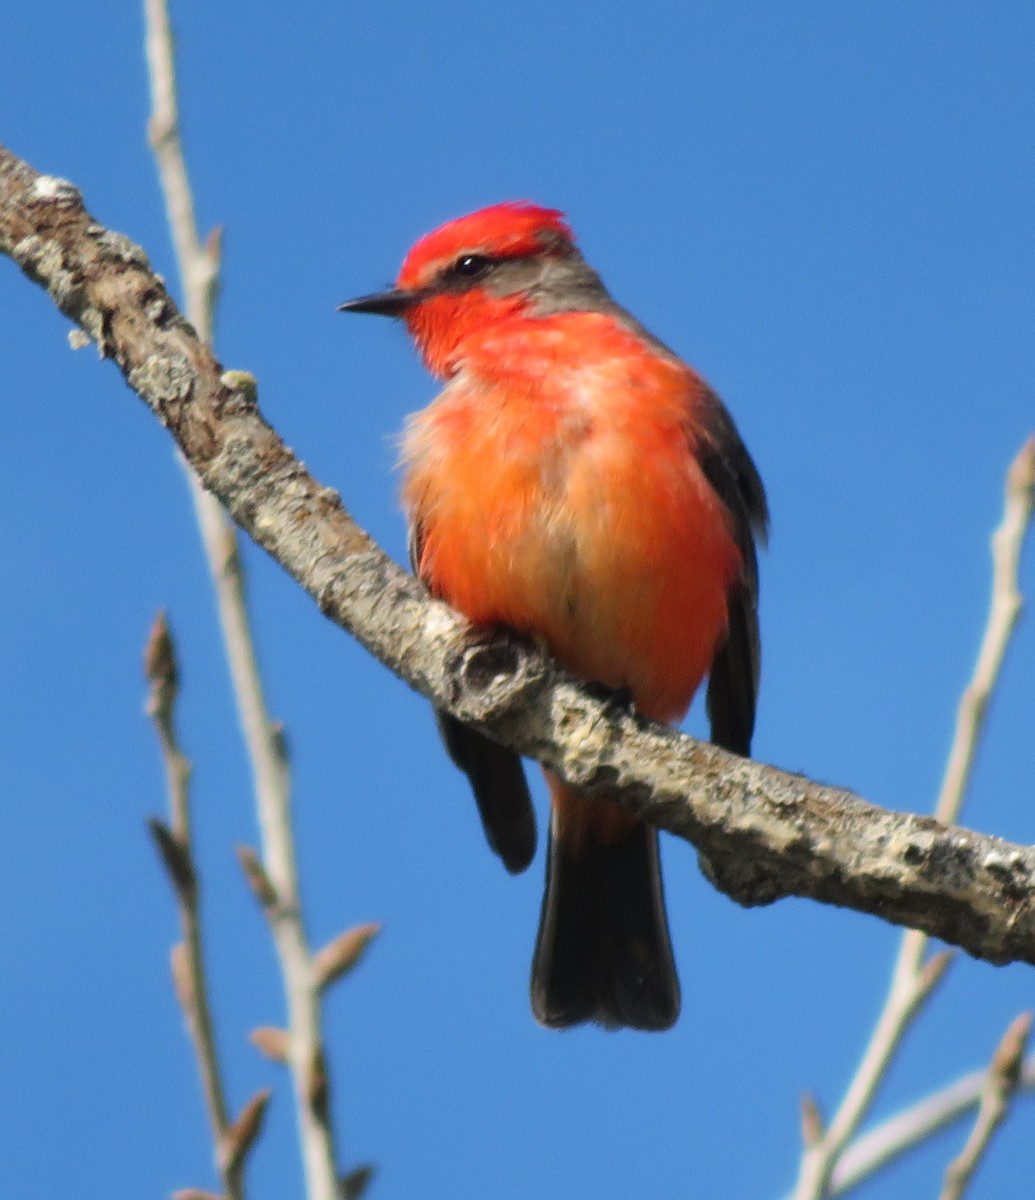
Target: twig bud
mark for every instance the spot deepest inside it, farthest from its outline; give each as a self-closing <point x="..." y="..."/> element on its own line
<point x="242" y="1134"/>
<point x="342" y="954"/>
<point x="258" y="880"/>
<point x="273" y="1042"/>
<point x="1021" y="476"/>
<point x="354" y="1184"/>
<point x="160" y="669"/>
<point x="1009" y="1055"/>
<point x="933" y="970"/>
<point x="317" y="1083"/>
<point x="176" y="858"/>
<point x="214" y="246"/>
<point x="811" y="1121"/>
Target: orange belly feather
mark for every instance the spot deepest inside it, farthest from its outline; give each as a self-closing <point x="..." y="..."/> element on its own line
<point x="564" y="500"/>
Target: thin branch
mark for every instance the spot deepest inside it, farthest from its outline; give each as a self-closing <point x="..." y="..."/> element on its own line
<point x="906" y="998"/>
<point x="913" y="980"/>
<point x="199" y="267"/>
<point x="188" y="961"/>
<point x="1001" y="1083"/>
<point x="872" y="1150"/>
<point x="765" y="832"/>
<point x="1004" y="613"/>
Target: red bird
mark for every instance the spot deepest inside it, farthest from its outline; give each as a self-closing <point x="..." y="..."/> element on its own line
<point x="577" y="482"/>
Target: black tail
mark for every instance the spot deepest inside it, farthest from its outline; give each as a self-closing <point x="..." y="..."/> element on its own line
<point x="498" y="782"/>
<point x="603" y="953"/>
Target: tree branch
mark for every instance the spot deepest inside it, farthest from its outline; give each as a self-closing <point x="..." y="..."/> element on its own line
<point x="765" y="833"/>
<point x="174" y="844"/>
<point x="913" y="980"/>
<point x="878" y="1146"/>
<point x="264" y="741"/>
<point x="1001" y="1084"/>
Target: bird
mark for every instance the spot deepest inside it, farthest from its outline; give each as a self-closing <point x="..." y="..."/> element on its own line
<point x="579" y="484"/>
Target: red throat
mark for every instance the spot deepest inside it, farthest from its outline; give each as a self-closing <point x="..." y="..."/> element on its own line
<point x="440" y="325"/>
<point x="445" y="318"/>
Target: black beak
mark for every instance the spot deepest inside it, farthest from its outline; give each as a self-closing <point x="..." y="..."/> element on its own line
<point x="392" y="303"/>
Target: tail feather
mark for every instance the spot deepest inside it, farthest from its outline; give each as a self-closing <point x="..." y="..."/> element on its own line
<point x="603" y="953"/>
<point x="498" y="782"/>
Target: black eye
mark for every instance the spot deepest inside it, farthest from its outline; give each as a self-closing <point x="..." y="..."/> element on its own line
<point x="471" y="266"/>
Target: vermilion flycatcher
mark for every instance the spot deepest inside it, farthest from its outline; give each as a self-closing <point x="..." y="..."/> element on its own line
<point x="577" y="482"/>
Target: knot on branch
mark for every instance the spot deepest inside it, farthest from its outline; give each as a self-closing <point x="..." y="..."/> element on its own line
<point x="482" y="665"/>
<point x="748" y="880"/>
<point x="496" y="674"/>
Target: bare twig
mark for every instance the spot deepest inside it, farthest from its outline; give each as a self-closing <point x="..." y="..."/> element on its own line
<point x="905" y="1000"/>
<point x="199" y="267"/>
<point x="1001" y="1083"/>
<point x="766" y="833"/>
<point x="913" y="980"/>
<point x="188" y="962"/>
<point x="1004" y="613"/>
<point x="887" y="1141"/>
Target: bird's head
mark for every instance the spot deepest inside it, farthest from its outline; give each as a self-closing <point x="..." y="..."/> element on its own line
<point x="510" y="259"/>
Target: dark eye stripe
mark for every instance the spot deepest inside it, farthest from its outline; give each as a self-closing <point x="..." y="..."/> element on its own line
<point x="471" y="266"/>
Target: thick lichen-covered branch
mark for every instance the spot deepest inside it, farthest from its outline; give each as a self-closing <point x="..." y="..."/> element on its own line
<point x="763" y="832"/>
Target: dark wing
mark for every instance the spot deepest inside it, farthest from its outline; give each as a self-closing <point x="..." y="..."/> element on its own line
<point x="733" y="684"/>
<point x="495" y="773"/>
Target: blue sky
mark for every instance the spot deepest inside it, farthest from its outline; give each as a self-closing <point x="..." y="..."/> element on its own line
<point x="828" y="210"/>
